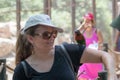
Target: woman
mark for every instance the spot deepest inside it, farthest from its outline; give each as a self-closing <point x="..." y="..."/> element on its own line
<point x="35" y="48"/>
<point x="93" y="39"/>
<point x="93" y="36"/>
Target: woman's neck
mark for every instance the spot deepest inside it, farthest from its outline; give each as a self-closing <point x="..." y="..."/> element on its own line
<point x="43" y="54"/>
<point x="89" y="32"/>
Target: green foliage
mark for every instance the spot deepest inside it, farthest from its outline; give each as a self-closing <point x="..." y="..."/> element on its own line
<point x="28" y="7"/>
<point x="62" y="5"/>
<point x="61" y="12"/>
<point x="7" y="10"/>
<point x="104" y="18"/>
<point x="62" y="19"/>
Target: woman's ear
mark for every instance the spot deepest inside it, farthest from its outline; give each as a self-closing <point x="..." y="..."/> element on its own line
<point x="30" y="39"/>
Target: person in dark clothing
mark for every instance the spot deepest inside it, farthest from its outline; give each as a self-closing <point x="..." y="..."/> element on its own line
<point x="44" y="61"/>
<point x="116" y="40"/>
<point x="116" y="24"/>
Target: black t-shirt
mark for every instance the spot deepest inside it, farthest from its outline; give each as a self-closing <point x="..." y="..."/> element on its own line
<point x="60" y="70"/>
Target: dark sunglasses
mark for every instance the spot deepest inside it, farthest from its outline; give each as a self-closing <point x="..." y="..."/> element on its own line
<point x="47" y="35"/>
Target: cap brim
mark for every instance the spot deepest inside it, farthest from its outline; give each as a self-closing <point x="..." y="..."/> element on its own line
<point x="57" y="28"/>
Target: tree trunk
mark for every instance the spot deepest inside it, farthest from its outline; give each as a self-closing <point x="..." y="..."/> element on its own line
<point x="18" y="15"/>
<point x="94" y="9"/>
<point x="47" y="7"/>
<point x="114" y="14"/>
<point x="73" y="17"/>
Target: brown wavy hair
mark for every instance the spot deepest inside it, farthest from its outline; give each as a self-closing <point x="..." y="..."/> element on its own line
<point x="23" y="47"/>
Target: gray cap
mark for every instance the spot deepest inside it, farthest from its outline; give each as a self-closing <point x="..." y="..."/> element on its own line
<point x="40" y="19"/>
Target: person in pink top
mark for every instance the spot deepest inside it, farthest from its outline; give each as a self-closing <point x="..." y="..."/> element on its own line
<point x="93" y="39"/>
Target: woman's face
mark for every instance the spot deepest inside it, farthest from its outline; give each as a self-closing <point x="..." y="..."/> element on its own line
<point x="88" y="24"/>
<point x="44" y="37"/>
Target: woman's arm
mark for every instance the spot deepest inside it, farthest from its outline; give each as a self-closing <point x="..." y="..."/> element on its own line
<point x="98" y="56"/>
<point x="81" y="27"/>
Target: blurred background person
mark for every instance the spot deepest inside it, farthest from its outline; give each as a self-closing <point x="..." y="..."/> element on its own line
<point x="116" y="41"/>
<point x="93" y="39"/>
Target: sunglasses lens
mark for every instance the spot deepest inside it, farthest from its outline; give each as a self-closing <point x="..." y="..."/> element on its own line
<point x="46" y="35"/>
<point x="54" y="34"/>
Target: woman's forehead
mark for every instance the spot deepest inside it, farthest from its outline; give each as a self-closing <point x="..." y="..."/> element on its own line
<point x="88" y="20"/>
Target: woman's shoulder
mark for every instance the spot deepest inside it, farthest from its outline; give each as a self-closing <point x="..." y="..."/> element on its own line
<point x="96" y="30"/>
<point x="71" y="47"/>
<point x="19" y="67"/>
<point x="19" y="73"/>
